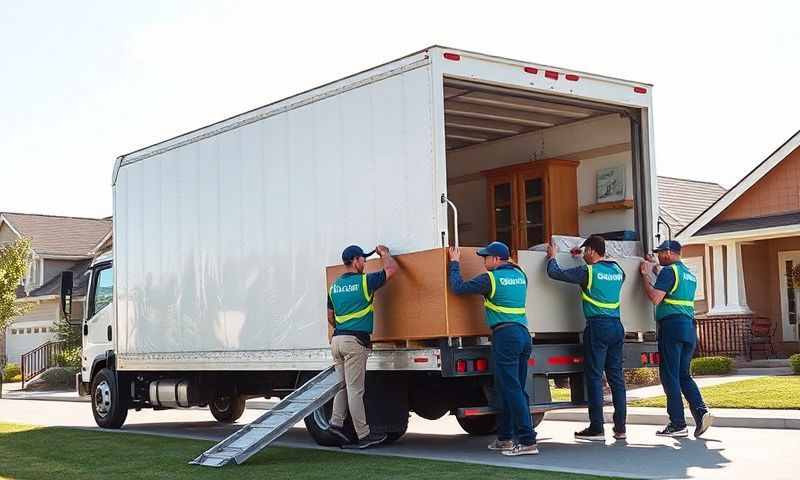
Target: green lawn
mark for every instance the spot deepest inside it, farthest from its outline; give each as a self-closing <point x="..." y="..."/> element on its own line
<point x="767" y="392"/>
<point x="65" y="454"/>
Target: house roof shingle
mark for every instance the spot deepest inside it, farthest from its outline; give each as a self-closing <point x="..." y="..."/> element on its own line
<point x="682" y="200"/>
<point x="745" y="224"/>
<point x="53" y="235"/>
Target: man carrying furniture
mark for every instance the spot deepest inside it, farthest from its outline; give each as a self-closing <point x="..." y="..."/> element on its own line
<point x="504" y="287"/>
<point x="603" y="337"/>
<point x="350" y="313"/>
<point x="673" y="295"/>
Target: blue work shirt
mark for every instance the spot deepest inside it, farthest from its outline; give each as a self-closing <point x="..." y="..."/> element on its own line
<point x="578" y="275"/>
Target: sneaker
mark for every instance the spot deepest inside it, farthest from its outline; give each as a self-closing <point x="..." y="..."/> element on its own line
<point x="501" y="445"/>
<point x="619" y="435"/>
<point x="339" y="433"/>
<point x="520" y="449"/>
<point x="702" y="421"/>
<point x="589" y="434"/>
<point x="369" y="441"/>
<point x="673" y="431"/>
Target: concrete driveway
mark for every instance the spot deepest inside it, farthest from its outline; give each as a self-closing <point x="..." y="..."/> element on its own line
<point x="726" y="452"/>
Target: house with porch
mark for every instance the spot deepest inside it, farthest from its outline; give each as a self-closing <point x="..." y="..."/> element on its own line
<point x="749" y="243"/>
<point x="57" y="244"/>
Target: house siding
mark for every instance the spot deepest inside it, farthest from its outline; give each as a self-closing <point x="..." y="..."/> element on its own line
<point x="777" y="192"/>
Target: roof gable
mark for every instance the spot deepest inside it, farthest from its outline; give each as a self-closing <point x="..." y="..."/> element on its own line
<point x="741" y="187"/>
<point x="58" y="236"/>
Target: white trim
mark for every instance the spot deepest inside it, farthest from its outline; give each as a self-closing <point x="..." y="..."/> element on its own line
<point x="757" y="234"/>
<point x="37" y="299"/>
<point x="99" y="244"/>
<point x="56" y="256"/>
<point x="734" y="193"/>
<point x="3" y="220"/>
<point x="785" y="327"/>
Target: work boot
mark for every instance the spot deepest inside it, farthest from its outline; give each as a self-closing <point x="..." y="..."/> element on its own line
<point x="339" y="433"/>
<point x="702" y="421"/>
<point x="673" y="431"/>
<point x="520" y="449"/>
<point x="370" y="440"/>
<point x="590" y="434"/>
<point x="501" y="445"/>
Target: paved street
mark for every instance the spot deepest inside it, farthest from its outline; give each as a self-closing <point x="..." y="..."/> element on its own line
<point x="726" y="453"/>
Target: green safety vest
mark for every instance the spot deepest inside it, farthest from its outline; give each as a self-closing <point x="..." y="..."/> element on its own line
<point x="506" y="301"/>
<point x="602" y="292"/>
<point x="352" y="303"/>
<point x="679" y="300"/>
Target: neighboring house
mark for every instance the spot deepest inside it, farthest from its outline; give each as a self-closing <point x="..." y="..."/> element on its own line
<point x="57" y="244"/>
<point x="749" y="240"/>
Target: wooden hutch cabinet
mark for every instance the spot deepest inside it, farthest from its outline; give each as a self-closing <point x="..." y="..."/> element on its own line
<point x="532" y="201"/>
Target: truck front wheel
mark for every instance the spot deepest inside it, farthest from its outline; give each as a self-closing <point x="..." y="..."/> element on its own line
<point x="227" y="409"/>
<point x="109" y="401"/>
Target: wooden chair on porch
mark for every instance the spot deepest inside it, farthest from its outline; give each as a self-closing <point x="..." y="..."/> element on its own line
<point x="761" y="331"/>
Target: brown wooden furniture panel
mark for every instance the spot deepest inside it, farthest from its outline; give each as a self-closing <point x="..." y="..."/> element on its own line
<point x="543" y="197"/>
<point x="416" y="303"/>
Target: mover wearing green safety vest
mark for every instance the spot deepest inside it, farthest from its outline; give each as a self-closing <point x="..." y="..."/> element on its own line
<point x="505" y="303"/>
<point x="601" y="295"/>
<point x="352" y="303"/>
<point x="678" y="300"/>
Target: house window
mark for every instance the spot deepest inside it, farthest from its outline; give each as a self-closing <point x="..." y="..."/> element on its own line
<point x="35" y="330"/>
<point x="13" y="331"/>
<point x="27" y="330"/>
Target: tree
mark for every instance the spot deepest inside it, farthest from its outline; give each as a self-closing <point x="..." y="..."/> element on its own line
<point x="13" y="266"/>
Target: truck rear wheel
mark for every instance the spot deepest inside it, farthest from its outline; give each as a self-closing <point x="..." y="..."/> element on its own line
<point x="479" y="425"/>
<point x="227" y="409"/>
<point x="318" y="423"/>
<point x="109" y="401"/>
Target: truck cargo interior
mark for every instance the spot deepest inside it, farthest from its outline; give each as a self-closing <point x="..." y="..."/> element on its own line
<point x="522" y="166"/>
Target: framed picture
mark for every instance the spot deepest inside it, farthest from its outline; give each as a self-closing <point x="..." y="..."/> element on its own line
<point x="611" y="184"/>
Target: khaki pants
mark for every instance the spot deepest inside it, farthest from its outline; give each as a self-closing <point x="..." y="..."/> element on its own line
<point x="350" y="358"/>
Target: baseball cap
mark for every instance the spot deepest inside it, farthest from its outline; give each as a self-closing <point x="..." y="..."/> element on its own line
<point x="495" y="249"/>
<point x="668" y="245"/>
<point x="354" y="251"/>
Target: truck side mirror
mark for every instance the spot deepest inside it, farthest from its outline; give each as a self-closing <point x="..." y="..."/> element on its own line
<point x="66" y="295"/>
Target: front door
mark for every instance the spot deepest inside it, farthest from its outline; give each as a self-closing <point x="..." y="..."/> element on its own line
<point x="789" y="281"/>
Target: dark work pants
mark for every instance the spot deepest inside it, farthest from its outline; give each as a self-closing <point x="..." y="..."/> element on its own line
<point x="511" y="349"/>
<point x="677" y="339"/>
<point x="603" y="339"/>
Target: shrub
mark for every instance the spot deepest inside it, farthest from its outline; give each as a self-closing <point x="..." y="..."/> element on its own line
<point x="641" y="376"/>
<point x="70" y="357"/>
<point x="794" y="361"/>
<point x="15" y="379"/>
<point x="56" y="378"/>
<point x="12" y="370"/>
<point x="712" y="366"/>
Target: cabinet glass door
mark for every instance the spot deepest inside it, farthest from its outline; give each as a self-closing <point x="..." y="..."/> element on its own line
<point x="503" y="212"/>
<point x="532" y="224"/>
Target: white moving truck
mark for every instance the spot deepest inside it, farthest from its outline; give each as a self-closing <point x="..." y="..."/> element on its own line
<point x="222" y="235"/>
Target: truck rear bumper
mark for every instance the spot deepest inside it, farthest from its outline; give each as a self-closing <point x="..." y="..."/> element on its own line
<point x="535" y="409"/>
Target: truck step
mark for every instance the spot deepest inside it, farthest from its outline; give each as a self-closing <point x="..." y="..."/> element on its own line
<point x="267" y="428"/>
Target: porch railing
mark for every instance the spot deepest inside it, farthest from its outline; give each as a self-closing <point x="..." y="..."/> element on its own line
<point x="39" y="359"/>
<point x="723" y="336"/>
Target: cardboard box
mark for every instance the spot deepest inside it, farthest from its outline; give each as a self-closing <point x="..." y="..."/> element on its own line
<point x="416" y="303"/>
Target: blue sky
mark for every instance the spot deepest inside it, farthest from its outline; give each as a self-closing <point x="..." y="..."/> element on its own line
<point x="83" y="82"/>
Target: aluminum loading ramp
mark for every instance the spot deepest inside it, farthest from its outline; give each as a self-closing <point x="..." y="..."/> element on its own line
<point x="267" y="428"/>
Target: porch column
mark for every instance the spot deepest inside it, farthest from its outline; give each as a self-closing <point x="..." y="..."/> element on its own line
<point x="719" y="280"/>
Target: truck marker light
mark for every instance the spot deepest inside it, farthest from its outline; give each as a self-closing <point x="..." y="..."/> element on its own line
<point x="552" y="75"/>
<point x="531" y="70"/>
<point x="639" y="90"/>
<point x="481" y="365"/>
<point x="461" y="366"/>
<point x="452" y="56"/>
<point x="420" y="359"/>
<point x="572" y="77"/>
<point x="471" y="411"/>
<point x="644" y="358"/>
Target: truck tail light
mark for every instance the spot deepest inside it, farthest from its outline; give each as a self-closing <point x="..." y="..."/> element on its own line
<point x="461" y="366"/>
<point x="656" y="356"/>
<point x="572" y="77"/>
<point x="644" y="358"/>
<point x="551" y="74"/>
<point x="641" y="90"/>
<point x="531" y="362"/>
<point x="531" y="70"/>
<point x="452" y="56"/>
<point x="481" y="365"/>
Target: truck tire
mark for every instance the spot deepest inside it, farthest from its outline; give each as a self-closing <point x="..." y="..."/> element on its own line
<point x="227" y="409"/>
<point x="479" y="425"/>
<point x="109" y="400"/>
<point x="317" y="425"/>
